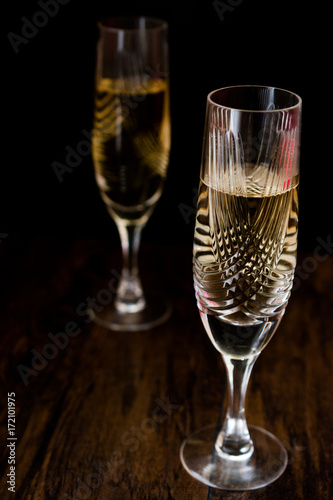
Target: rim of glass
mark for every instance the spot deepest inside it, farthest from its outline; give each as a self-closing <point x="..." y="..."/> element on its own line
<point x="288" y="108"/>
<point x="159" y="24"/>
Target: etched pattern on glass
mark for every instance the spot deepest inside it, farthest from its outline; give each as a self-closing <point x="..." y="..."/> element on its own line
<point x="246" y="233"/>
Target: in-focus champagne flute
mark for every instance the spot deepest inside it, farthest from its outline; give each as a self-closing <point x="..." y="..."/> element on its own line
<point x="244" y="258"/>
<point x="130" y="146"/>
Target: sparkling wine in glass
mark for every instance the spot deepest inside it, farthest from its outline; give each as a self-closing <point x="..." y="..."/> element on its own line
<point x="244" y="257"/>
<point x="131" y="145"/>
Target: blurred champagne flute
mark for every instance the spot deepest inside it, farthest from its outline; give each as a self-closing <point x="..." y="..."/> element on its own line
<point x="130" y="146"/>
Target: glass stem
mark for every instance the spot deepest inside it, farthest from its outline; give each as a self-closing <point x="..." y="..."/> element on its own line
<point x="130" y="297"/>
<point x="234" y="440"/>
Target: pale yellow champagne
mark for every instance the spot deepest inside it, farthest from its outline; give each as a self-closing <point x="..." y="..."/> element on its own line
<point x="131" y="145"/>
<point x="244" y="259"/>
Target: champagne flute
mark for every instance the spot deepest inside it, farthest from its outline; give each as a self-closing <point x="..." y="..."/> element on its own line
<point x="244" y="257"/>
<point x="130" y="147"/>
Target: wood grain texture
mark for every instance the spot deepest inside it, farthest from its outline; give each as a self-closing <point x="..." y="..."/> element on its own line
<point x="105" y="417"/>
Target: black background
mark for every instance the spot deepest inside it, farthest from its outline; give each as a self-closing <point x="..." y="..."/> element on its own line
<point x="48" y="97"/>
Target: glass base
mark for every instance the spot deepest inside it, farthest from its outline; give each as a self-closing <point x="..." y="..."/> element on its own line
<point x="202" y="461"/>
<point x="157" y="310"/>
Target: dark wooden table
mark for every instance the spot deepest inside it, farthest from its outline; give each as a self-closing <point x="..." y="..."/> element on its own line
<point x="101" y="415"/>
